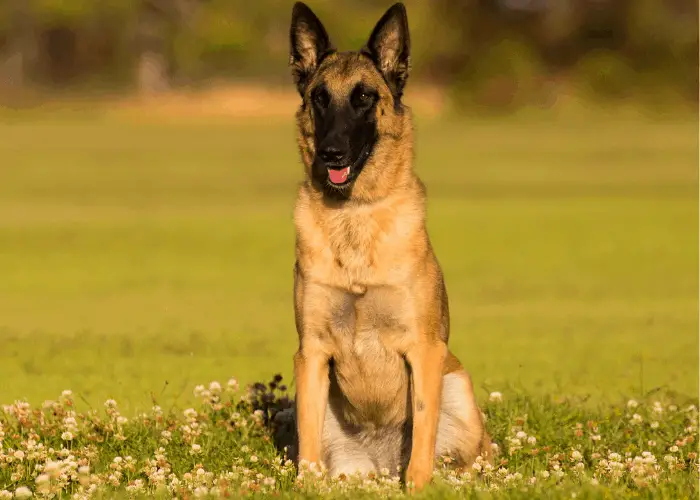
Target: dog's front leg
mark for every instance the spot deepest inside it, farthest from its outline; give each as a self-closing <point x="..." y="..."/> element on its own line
<point x="426" y="360"/>
<point x="311" y="374"/>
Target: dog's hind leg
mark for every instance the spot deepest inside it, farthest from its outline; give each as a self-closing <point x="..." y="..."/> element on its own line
<point x="461" y="432"/>
<point x="343" y="453"/>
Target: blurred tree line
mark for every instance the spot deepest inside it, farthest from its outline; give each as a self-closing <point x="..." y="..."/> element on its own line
<point x="503" y="53"/>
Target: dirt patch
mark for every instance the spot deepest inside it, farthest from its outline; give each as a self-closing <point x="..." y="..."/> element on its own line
<point x="247" y="101"/>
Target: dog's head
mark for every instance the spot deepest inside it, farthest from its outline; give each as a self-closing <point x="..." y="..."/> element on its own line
<point x="354" y="130"/>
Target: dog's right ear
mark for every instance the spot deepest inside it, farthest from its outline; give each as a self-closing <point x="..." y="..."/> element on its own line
<point x="309" y="43"/>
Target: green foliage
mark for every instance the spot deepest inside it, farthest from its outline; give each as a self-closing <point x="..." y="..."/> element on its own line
<point x="502" y="78"/>
<point x="605" y="74"/>
<point x="236" y="39"/>
<point x="79" y="11"/>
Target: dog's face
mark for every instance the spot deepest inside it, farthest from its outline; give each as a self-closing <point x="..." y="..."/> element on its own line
<point x="351" y="101"/>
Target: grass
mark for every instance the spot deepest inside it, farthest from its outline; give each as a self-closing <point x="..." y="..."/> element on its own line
<point x="223" y="447"/>
<point x="135" y="254"/>
<point x="139" y="258"/>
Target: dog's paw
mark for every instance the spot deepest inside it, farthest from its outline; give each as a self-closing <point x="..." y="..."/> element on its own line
<point x="418" y="476"/>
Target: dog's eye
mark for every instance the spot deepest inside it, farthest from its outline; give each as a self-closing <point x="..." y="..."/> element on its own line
<point x="362" y="98"/>
<point x="321" y="99"/>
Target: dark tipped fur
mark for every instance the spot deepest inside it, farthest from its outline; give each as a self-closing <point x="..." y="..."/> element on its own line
<point x="309" y="43"/>
<point x="389" y="46"/>
<point x="351" y="108"/>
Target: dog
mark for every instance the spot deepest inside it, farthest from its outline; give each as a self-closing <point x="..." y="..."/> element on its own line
<point x="376" y="384"/>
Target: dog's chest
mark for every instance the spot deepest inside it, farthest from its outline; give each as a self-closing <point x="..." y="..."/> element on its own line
<point x="368" y="367"/>
<point x="358" y="272"/>
<point x="358" y="248"/>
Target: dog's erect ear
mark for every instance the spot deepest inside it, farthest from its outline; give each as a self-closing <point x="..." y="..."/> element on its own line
<point x="389" y="47"/>
<point x="309" y="43"/>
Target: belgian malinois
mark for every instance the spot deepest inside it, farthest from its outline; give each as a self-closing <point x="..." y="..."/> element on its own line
<point x="376" y="385"/>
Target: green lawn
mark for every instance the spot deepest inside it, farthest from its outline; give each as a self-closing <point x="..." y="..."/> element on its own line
<point x="140" y="258"/>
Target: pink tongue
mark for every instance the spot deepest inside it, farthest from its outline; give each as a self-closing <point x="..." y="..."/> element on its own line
<point x="338" y="176"/>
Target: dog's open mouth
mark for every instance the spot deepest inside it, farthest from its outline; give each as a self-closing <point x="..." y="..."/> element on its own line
<point x="338" y="176"/>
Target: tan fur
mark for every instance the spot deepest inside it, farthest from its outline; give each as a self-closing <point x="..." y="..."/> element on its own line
<point x="376" y="383"/>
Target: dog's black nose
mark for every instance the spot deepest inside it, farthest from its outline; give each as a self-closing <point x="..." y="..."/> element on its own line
<point x="331" y="154"/>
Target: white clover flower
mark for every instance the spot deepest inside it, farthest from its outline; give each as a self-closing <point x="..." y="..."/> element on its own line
<point x="4" y="494"/>
<point x="23" y="492"/>
<point x="544" y="474"/>
<point x="42" y="479"/>
<point x="654" y="425"/>
<point x="232" y="385"/>
<point x="19" y="455"/>
<point x="110" y="403"/>
<point x="632" y="403"/>
<point x="495" y="397"/>
<point x="52" y="468"/>
<point x="521" y="435"/>
<point x="673" y="449"/>
<point x="67" y="393"/>
<point x="215" y="387"/>
<point x="67" y="436"/>
<point x="196" y="449"/>
<point x="595" y="437"/>
<point x="636" y="419"/>
<point x="477" y="466"/>
<point x="254" y="458"/>
<point x="166" y="436"/>
<point x="651" y="443"/>
<point x="201" y="491"/>
<point x="576" y="455"/>
<point x="532" y="440"/>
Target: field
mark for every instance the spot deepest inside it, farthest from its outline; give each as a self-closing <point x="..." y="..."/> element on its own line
<point x="140" y="258"/>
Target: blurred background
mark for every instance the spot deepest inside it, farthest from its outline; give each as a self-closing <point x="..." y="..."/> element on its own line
<point x="149" y="168"/>
<point x="499" y="54"/>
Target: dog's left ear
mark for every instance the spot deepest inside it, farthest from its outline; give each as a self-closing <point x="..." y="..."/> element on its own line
<point x="309" y="42"/>
<point x="389" y="47"/>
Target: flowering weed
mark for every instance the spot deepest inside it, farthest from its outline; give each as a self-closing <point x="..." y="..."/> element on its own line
<point x="226" y="446"/>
